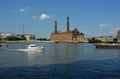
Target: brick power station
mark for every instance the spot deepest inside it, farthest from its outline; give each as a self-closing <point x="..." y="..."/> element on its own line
<point x="68" y="35"/>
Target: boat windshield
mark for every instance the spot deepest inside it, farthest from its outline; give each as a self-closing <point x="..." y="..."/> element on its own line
<point x="32" y="46"/>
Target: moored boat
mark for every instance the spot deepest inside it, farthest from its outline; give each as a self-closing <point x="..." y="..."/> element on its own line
<point x="108" y="45"/>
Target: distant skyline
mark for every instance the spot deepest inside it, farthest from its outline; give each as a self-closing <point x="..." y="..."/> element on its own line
<point x="92" y="17"/>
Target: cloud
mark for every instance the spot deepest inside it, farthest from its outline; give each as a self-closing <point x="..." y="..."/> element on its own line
<point x="116" y="29"/>
<point x="44" y="16"/>
<point x="34" y="17"/>
<point x="103" y="25"/>
<point x="22" y="10"/>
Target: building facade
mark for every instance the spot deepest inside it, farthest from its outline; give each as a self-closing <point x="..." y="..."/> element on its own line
<point x="29" y="36"/>
<point x="4" y="36"/>
<point x="68" y="35"/>
<point x="107" y="38"/>
<point x="8" y="36"/>
<point x="118" y="36"/>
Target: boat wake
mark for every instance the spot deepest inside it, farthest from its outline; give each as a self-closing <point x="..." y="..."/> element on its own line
<point x="30" y="48"/>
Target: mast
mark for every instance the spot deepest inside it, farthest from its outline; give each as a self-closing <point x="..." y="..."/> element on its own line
<point x="23" y="29"/>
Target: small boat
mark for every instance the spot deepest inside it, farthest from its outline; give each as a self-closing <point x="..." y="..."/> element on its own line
<point x="30" y="48"/>
<point x="108" y="45"/>
<point x="34" y="47"/>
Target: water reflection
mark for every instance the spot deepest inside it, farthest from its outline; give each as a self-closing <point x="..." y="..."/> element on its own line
<point x="60" y="53"/>
<point x="32" y="55"/>
<point x="66" y="52"/>
<point x="61" y="61"/>
<point x="33" y="58"/>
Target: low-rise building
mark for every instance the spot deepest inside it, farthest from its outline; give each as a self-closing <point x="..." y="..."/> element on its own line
<point x="29" y="36"/>
<point x="107" y="38"/>
<point x="118" y="36"/>
<point x="6" y="35"/>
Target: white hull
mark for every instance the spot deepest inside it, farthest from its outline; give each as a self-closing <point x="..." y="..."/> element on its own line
<point x="30" y="48"/>
<point x="27" y="50"/>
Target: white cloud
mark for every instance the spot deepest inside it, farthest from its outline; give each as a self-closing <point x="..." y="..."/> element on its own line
<point x="103" y="25"/>
<point x="116" y="29"/>
<point x="34" y="17"/>
<point x="24" y="9"/>
<point x="111" y="24"/>
<point x="44" y="16"/>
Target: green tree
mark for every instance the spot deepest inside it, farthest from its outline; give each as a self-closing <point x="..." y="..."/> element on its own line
<point x="93" y="40"/>
<point x="42" y="39"/>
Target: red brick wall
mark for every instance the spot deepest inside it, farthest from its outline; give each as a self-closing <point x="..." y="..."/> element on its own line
<point x="62" y="36"/>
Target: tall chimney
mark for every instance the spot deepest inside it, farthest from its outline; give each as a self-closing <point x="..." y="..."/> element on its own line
<point x="67" y="24"/>
<point x="55" y="25"/>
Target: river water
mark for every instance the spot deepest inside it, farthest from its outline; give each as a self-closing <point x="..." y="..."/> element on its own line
<point x="60" y="61"/>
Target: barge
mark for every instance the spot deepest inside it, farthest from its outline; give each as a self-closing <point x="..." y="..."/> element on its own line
<point x="108" y="46"/>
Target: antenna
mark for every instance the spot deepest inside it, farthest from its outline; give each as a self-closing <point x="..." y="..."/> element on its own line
<point x="23" y="28"/>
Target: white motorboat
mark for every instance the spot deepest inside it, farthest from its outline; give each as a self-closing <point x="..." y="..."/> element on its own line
<point x="34" y="47"/>
<point x="29" y="48"/>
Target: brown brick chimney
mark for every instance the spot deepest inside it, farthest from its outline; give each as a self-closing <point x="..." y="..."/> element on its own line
<point x="67" y="24"/>
<point x="55" y="26"/>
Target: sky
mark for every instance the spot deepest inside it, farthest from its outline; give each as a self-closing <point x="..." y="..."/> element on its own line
<point x="92" y="17"/>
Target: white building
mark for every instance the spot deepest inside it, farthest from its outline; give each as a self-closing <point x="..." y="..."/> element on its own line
<point x="7" y="34"/>
<point x="29" y="36"/>
<point x="118" y="36"/>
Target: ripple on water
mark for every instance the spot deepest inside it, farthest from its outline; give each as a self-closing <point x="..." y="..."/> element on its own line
<point x="87" y="69"/>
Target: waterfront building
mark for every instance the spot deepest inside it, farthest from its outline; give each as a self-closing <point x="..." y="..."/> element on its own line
<point x="3" y="38"/>
<point x="68" y="35"/>
<point x="29" y="36"/>
<point x="6" y="35"/>
<point x="118" y="36"/>
<point x="107" y="38"/>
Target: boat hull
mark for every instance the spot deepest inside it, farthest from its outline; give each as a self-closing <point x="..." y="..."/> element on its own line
<point x="30" y="48"/>
<point x="108" y="46"/>
<point x="24" y="50"/>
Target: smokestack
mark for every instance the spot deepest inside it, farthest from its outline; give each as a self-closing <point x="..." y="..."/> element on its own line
<point x="67" y="24"/>
<point x="55" y="26"/>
